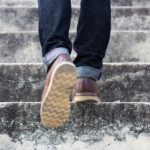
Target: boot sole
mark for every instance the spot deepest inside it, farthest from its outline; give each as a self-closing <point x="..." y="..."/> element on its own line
<point x="55" y="107"/>
<point x="86" y="99"/>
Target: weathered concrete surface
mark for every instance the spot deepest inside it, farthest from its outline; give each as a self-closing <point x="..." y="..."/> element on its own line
<point x="86" y="120"/>
<point x="20" y="47"/>
<point x="76" y="2"/>
<point x="124" y="18"/>
<point x="126" y="82"/>
<point x="123" y="47"/>
<point x="128" y="47"/>
<point x="18" y="3"/>
<point x="18" y="19"/>
<point x="21" y="82"/>
<point x="26" y="18"/>
<point x="131" y="18"/>
<point x="120" y="82"/>
<point x="123" y="2"/>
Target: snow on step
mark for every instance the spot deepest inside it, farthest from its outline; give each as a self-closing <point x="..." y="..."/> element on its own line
<point x="127" y="82"/>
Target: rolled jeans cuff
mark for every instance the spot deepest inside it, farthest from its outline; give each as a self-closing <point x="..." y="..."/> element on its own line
<point x="88" y="72"/>
<point x="49" y="58"/>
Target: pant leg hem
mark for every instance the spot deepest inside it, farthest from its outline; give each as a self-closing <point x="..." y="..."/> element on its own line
<point x="89" y="72"/>
<point x="52" y="55"/>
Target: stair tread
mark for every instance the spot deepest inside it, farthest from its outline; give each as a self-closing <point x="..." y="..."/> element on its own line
<point x="26" y="19"/>
<point x="125" y="82"/>
<point x="91" y="120"/>
<point x="77" y="2"/>
<point x="25" y="47"/>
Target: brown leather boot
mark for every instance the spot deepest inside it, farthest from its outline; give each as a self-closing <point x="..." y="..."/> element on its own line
<point x="85" y="90"/>
<point x="55" y="107"/>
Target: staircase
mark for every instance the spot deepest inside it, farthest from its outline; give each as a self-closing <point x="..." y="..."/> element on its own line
<point x="125" y="85"/>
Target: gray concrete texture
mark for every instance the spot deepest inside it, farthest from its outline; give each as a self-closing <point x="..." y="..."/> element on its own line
<point x="125" y="93"/>
<point x="76" y="2"/>
<point x="123" y="47"/>
<point x="26" y="19"/>
<point x="120" y="82"/>
<point x="87" y="122"/>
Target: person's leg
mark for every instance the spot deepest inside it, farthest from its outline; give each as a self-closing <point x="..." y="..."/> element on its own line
<point x="93" y="33"/>
<point x="54" y="23"/>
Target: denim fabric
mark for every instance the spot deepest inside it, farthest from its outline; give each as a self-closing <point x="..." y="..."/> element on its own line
<point x="93" y="31"/>
<point x="88" y="72"/>
<point x="49" y="58"/>
<point x="54" y="24"/>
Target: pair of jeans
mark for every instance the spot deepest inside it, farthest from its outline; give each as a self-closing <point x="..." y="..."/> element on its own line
<point x="92" y="37"/>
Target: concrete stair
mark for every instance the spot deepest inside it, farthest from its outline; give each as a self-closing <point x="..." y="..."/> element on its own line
<point x="127" y="82"/>
<point x="75" y="2"/>
<point x="125" y="107"/>
<point x="88" y="120"/>
<point x="18" y="27"/>
<point x="26" y="18"/>
<point x="124" y="46"/>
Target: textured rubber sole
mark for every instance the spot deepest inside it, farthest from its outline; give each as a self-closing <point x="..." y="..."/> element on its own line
<point x="86" y="99"/>
<point x="55" y="107"/>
